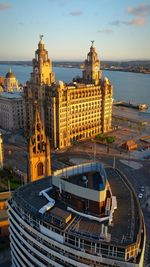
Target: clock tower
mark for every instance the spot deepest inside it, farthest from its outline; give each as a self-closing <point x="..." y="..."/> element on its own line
<point x="42" y="76"/>
<point x="92" y="73"/>
<point x="42" y="66"/>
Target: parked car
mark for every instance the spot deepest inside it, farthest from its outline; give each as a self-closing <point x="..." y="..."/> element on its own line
<point x="140" y="195"/>
<point x="142" y="188"/>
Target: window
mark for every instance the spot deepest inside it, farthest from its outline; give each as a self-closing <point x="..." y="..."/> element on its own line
<point x="40" y="169"/>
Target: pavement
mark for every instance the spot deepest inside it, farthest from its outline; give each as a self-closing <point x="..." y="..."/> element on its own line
<point x="130" y="114"/>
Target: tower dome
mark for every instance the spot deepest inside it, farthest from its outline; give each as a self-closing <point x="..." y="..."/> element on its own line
<point x="60" y="83"/>
<point x="10" y="82"/>
<point x="91" y="72"/>
<point x="10" y="74"/>
<point x="41" y="43"/>
<point x="106" y="79"/>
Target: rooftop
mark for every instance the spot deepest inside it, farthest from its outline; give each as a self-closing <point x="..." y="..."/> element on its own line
<point x="3" y="215"/>
<point x="126" y="218"/>
<point x="4" y="196"/>
<point x="11" y="95"/>
<point x="92" y="180"/>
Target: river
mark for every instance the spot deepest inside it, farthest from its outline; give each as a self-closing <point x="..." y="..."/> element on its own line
<point x="128" y="86"/>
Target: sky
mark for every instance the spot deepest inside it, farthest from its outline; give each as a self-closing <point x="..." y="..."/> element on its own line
<point x="120" y="28"/>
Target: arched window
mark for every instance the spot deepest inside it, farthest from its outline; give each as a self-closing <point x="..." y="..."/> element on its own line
<point x="40" y="169"/>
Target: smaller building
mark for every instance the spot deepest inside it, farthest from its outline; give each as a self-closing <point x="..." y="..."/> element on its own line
<point x="4" y="196"/>
<point x="12" y="114"/>
<point x="10" y="82"/>
<point x="1" y="84"/>
<point x="1" y="80"/>
<point x="129" y="145"/>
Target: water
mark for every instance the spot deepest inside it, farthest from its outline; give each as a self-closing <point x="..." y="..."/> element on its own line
<point x="128" y="86"/>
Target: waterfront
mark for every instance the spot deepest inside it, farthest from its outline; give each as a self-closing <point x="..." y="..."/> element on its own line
<point x="134" y="87"/>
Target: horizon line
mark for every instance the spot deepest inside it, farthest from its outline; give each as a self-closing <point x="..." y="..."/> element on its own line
<point x="74" y="60"/>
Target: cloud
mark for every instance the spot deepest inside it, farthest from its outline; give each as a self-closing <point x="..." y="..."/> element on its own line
<point x="4" y="6"/>
<point x="20" y="23"/>
<point x="140" y="11"/>
<point x="132" y="22"/>
<point x="116" y="23"/>
<point x="76" y="13"/>
<point x="106" y="31"/>
<point x="139" y="15"/>
<point x="136" y="22"/>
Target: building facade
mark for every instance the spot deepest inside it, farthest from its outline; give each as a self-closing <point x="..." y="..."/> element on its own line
<point x="4" y="196"/>
<point x="77" y="218"/>
<point x="12" y="111"/>
<point x="71" y="112"/>
<point x="39" y="151"/>
<point x="10" y="82"/>
<point x="1" y="80"/>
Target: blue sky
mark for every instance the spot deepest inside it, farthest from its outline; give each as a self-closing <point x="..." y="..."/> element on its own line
<point x="120" y="28"/>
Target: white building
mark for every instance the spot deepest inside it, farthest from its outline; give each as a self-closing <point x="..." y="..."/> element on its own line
<point x="12" y="114"/>
<point x="10" y="82"/>
<point x="63" y="220"/>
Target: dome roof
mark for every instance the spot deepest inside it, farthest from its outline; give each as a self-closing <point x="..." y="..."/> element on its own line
<point x="106" y="79"/>
<point x="10" y="74"/>
<point x="60" y="83"/>
<point x="41" y="42"/>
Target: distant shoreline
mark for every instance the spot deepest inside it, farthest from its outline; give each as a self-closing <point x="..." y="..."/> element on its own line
<point x="79" y="65"/>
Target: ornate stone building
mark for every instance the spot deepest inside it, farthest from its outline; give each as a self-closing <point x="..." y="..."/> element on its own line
<point x="10" y="82"/>
<point x="71" y="112"/>
<point x="39" y="151"/>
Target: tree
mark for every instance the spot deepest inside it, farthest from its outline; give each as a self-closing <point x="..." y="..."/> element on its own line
<point x="109" y="140"/>
<point x="100" y="137"/>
